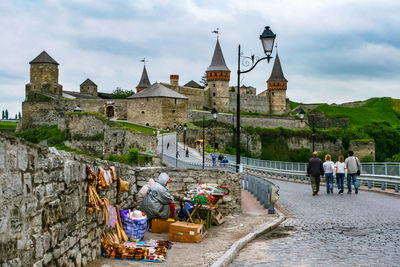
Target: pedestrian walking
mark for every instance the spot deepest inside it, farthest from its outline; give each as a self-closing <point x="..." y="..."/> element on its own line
<point x="187" y="152"/>
<point x="214" y="159"/>
<point x="220" y="158"/>
<point x="341" y="172"/>
<point x="353" y="169"/>
<point x="177" y="154"/>
<point x="315" y="170"/>
<point x="329" y="168"/>
<point x="167" y="145"/>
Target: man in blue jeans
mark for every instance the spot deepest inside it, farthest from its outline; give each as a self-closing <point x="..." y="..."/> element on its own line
<point x="352" y="165"/>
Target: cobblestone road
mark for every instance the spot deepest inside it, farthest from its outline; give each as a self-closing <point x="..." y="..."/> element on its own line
<point x="329" y="230"/>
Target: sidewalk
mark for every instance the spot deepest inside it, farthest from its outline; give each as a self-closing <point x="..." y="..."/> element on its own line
<point x="218" y="240"/>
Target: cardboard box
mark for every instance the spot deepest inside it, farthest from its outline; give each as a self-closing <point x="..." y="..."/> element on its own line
<point x="161" y="225"/>
<point x="186" y="232"/>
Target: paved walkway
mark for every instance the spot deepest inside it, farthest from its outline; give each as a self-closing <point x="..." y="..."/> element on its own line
<point x="329" y="230"/>
<point x="218" y="240"/>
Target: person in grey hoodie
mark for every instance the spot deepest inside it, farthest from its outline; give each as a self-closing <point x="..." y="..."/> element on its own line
<point x="158" y="201"/>
<point x="352" y="165"/>
<point x="315" y="170"/>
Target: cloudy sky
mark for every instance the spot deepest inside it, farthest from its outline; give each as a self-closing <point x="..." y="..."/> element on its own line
<point x="331" y="51"/>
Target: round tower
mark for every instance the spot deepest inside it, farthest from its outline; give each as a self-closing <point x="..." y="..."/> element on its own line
<point x="44" y="75"/>
<point x="277" y="86"/>
<point x="218" y="76"/>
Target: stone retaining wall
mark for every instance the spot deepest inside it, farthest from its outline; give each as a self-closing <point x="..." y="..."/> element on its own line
<point x="43" y="217"/>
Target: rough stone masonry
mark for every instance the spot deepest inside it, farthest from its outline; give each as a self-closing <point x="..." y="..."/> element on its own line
<point x="43" y="217"/>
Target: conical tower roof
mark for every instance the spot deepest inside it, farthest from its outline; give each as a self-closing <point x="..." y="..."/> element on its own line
<point x="277" y="73"/>
<point x="43" y="58"/>
<point x="218" y="61"/>
<point x="144" y="80"/>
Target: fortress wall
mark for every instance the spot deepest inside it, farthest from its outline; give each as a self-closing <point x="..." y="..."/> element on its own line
<point x="36" y="114"/>
<point x="197" y="97"/>
<point x="249" y="103"/>
<point x="272" y="121"/>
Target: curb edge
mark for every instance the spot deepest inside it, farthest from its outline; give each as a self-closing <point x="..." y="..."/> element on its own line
<point x="234" y="250"/>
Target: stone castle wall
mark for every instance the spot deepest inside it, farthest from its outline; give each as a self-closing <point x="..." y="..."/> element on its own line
<point x="43" y="73"/>
<point x="249" y="103"/>
<point x="36" y="114"/>
<point x="272" y="121"/>
<point x="44" y="220"/>
<point x="197" y="97"/>
<point x="113" y="141"/>
<point x="158" y="112"/>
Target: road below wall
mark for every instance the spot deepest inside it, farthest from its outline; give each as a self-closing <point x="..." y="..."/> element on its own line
<point x="329" y="230"/>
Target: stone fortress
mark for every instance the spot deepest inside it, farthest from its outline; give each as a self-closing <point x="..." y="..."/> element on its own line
<point x="161" y="105"/>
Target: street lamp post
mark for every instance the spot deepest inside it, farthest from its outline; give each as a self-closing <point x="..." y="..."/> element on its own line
<point x="204" y="141"/>
<point x="267" y="39"/>
<point x="301" y="115"/>
<point x="214" y="114"/>
<point x="184" y="137"/>
<point x="179" y="128"/>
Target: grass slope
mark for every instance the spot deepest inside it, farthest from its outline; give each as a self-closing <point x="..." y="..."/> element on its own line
<point x="383" y="109"/>
<point x="5" y="125"/>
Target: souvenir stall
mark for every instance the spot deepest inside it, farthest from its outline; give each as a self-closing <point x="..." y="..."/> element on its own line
<point x="200" y="205"/>
<point x="124" y="229"/>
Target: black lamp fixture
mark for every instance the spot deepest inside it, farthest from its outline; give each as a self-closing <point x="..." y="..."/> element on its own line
<point x="301" y="115"/>
<point x="214" y="113"/>
<point x="267" y="40"/>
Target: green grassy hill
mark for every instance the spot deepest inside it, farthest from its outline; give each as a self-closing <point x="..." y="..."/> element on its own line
<point x="383" y="109"/>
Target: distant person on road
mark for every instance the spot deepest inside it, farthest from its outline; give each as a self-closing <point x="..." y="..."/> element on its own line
<point x="315" y="170"/>
<point x="341" y="172"/>
<point x="353" y="167"/>
<point x="220" y="158"/>
<point x="224" y="161"/>
<point x="167" y="145"/>
<point x="177" y="154"/>
<point x="187" y="152"/>
<point x="214" y="159"/>
<point x="329" y="169"/>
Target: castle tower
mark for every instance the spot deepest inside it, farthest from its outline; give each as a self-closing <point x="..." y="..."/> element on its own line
<point x="88" y="87"/>
<point x="218" y="76"/>
<point x="144" y="81"/>
<point x="44" y="75"/>
<point x="277" y="85"/>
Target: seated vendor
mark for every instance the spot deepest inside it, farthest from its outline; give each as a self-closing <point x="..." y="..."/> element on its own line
<point x="158" y="202"/>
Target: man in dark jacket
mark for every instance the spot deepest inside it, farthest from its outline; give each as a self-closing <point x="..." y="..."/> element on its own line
<point x="315" y="170"/>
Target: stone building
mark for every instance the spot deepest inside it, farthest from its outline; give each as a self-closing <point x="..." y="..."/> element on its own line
<point x="43" y="76"/>
<point x="88" y="87"/>
<point x="158" y="107"/>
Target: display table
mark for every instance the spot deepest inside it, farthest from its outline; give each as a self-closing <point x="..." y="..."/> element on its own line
<point x="206" y="212"/>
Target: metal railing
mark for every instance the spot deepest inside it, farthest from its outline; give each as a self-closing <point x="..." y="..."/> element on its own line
<point x="373" y="168"/>
<point x="370" y="180"/>
<point x="260" y="187"/>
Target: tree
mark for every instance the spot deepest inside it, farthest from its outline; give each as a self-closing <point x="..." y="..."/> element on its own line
<point x="19" y="115"/>
<point x="203" y="80"/>
<point x="2" y="114"/>
<point x="6" y="114"/>
<point x="120" y="93"/>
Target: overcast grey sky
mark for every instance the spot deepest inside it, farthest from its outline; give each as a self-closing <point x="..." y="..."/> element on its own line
<point x="330" y="50"/>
